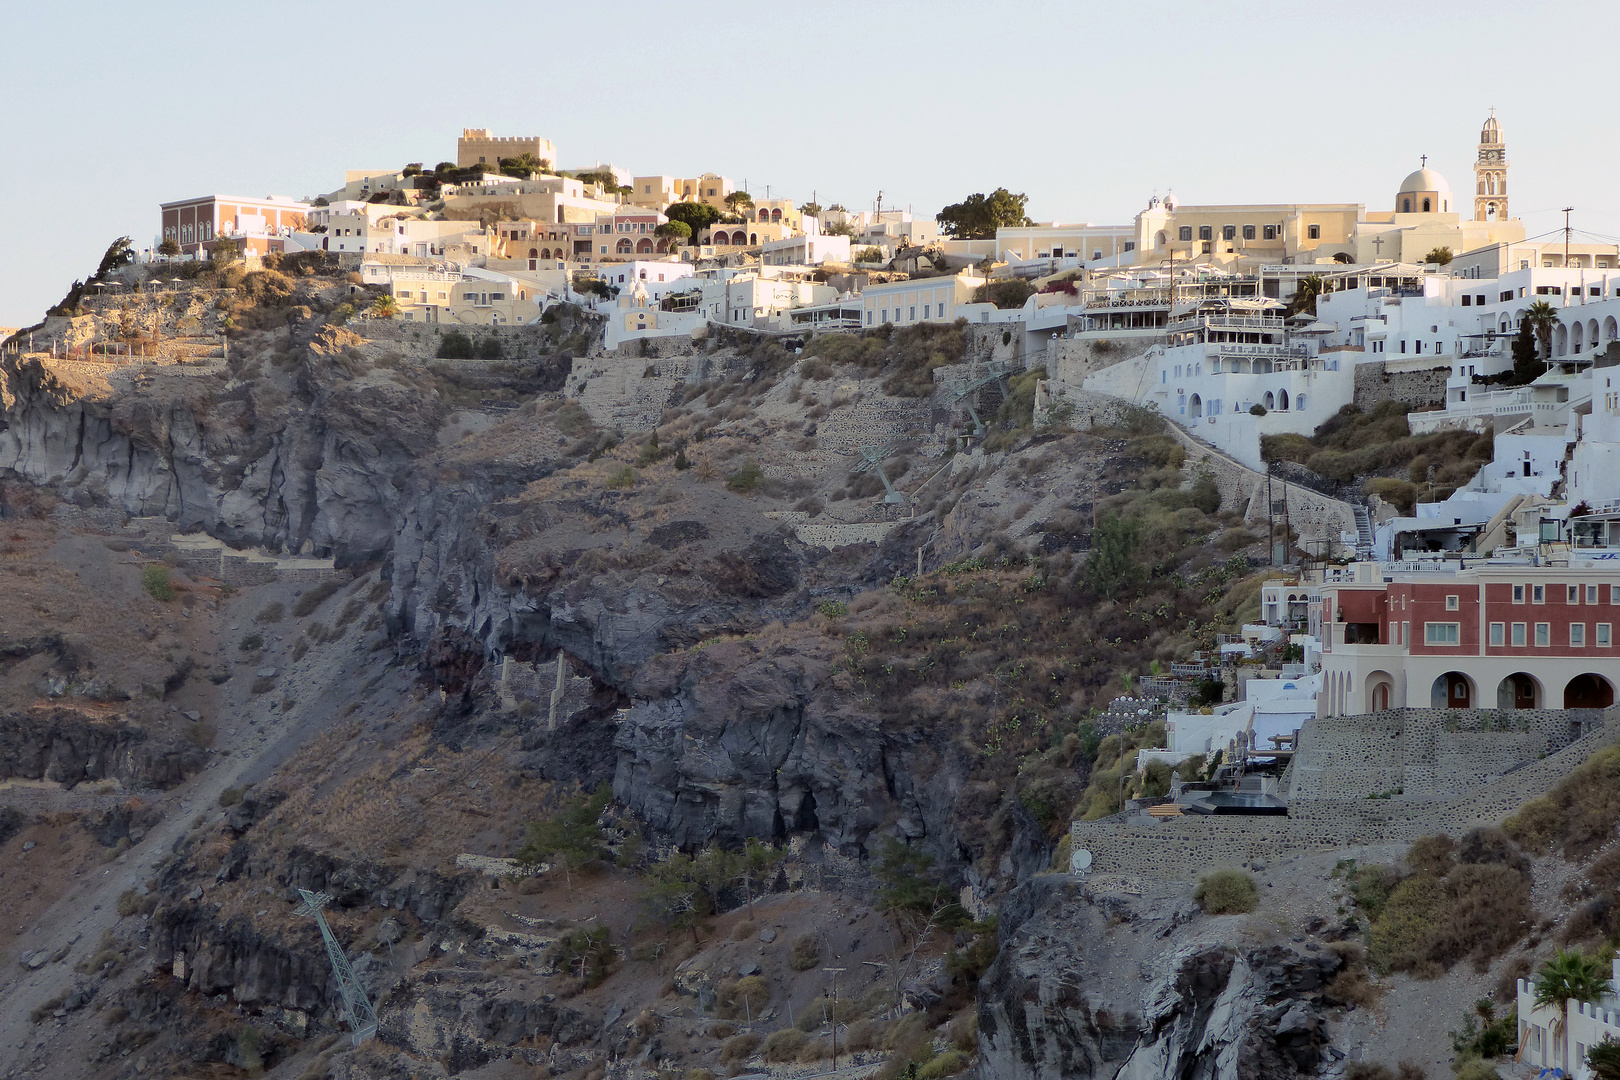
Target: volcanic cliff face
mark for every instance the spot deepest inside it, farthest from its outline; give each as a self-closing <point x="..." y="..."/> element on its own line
<point x="1063" y="998"/>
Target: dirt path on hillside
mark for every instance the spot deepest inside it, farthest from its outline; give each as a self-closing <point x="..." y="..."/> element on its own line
<point x="254" y="736"/>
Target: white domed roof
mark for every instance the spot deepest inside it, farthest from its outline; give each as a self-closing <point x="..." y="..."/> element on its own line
<point x="1425" y="180"/>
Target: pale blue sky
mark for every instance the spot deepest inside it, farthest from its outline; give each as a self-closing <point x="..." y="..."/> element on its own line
<point x="108" y="109"/>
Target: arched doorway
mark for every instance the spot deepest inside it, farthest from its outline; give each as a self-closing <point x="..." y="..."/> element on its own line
<point x="1518" y="691"/>
<point x="764" y="215"/>
<point x="1270" y="401"/>
<point x="776" y="216"/>
<point x="624" y="247"/>
<point x="1588" y="691"/>
<point x="644" y="247"/>
<point x="1282" y="400"/>
<point x="1380" y="691"/>
<point x="1453" y="690"/>
<point x="1195" y="407"/>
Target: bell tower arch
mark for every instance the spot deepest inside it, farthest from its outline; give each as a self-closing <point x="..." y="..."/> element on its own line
<point x="1490" y="173"/>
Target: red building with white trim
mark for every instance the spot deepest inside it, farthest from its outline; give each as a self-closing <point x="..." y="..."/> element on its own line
<point x="1494" y="635"/>
<point x="258" y="223"/>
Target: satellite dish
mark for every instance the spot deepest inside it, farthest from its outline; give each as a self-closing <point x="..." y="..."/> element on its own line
<point x="1080" y="861"/>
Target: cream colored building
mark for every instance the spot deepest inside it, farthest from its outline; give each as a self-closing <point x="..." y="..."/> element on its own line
<point x="480" y="146"/>
<point x="466" y="297"/>
<point x="1426" y="217"/>
<point x="544" y="198"/>
<point x="919" y="300"/>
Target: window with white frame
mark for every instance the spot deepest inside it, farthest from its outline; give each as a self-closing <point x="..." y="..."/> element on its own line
<point x="1604" y="635"/>
<point x="1592" y="594"/>
<point x="1497" y="635"/>
<point x="1518" y="594"/>
<point x="1574" y="595"/>
<point x="1452" y="603"/>
<point x="1538" y="594"/>
<point x="1543" y="635"/>
<point x="1518" y="635"/>
<point x="1441" y="633"/>
<point x="1577" y="635"/>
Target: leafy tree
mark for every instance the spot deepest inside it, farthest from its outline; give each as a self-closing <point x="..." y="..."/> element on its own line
<point x="908" y="891"/>
<point x="673" y="897"/>
<point x="225" y="252"/>
<point x="571" y="836"/>
<point x="978" y="216"/>
<point x="120" y="252"/>
<point x="1604" y="1060"/>
<point x="869" y="254"/>
<point x="1571" y="974"/>
<point x="737" y="200"/>
<point x="838" y="228"/>
<point x="1004" y="292"/>
<point x="1527" y="365"/>
<point x="490" y="348"/>
<point x="455" y="346"/>
<point x="169" y="247"/>
<point x="1542" y="317"/>
<point x="524" y="164"/>
<point x="1112" y="565"/>
<point x="601" y="177"/>
<point x="677" y="230"/>
<point x="1440" y="256"/>
<point x="1309" y="288"/>
<point x="810" y="209"/>
<point x="694" y="215"/>
<point x="384" y="307"/>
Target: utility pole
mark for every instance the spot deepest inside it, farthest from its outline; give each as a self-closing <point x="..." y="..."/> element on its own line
<point x="834" y="972"/>
<point x="1567" y="209"/>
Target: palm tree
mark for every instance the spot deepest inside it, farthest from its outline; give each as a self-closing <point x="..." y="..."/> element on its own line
<point x="384" y="307"/>
<point x="1305" y="293"/>
<point x="1542" y="316"/>
<point x="1571" y="974"/>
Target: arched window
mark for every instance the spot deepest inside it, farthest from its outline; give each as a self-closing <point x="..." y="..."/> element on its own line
<point x="753" y="238"/>
<point x="644" y="247"/>
<point x="1282" y="400"/>
<point x="533" y="254"/>
<point x="1425" y="206"/>
<point x="625" y="247"/>
<point x="776" y="216"/>
<point x="1406" y="206"/>
<point x="1270" y="401"/>
<point x="764" y="214"/>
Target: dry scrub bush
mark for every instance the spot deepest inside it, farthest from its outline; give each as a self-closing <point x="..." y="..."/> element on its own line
<point x="1226" y="892"/>
<point x="1579" y="814"/>
<point x="805" y="952"/>
<point x="1468" y="900"/>
<point x="784" y="1045"/>
<point x="314" y="597"/>
<point x="738" y="1049"/>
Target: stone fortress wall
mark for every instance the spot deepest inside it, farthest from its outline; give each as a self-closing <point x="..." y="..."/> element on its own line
<point x="1183" y="847"/>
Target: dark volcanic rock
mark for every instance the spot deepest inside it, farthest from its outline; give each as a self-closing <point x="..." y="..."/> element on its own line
<point x="1057" y="1000"/>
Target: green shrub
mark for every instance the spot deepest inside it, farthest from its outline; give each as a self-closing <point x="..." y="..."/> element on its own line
<point x="455" y="345"/>
<point x="156" y="581"/>
<point x="946" y="1063"/>
<point x="622" y="478"/>
<point x="746" y="479"/>
<point x="230" y="796"/>
<point x="1226" y="892"/>
<point x="833" y="609"/>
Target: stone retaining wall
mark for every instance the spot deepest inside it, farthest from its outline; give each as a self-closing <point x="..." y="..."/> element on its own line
<point x="1375" y="384"/>
<point x="1183" y="847"/>
<point x="1314" y="516"/>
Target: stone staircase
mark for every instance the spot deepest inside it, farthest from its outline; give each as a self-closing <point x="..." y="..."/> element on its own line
<point x="1364" y="532"/>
